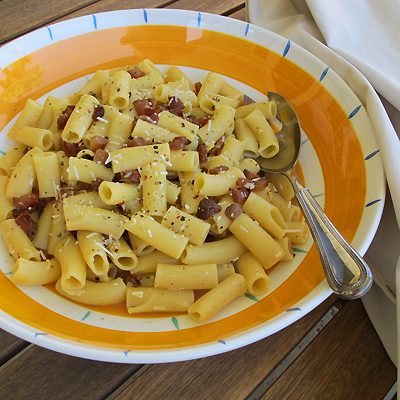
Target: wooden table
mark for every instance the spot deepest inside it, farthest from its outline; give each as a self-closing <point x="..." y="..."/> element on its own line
<point x="331" y="353"/>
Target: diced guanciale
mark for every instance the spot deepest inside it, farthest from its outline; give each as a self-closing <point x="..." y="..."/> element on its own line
<point x="98" y="112"/>
<point x="216" y="150"/>
<point x="250" y="175"/>
<point x="143" y="106"/>
<point x="260" y="184"/>
<point x="177" y="143"/>
<point x="207" y="208"/>
<point x="96" y="183"/>
<point x="130" y="176"/>
<point x="136" y="73"/>
<point x="197" y="87"/>
<point x="138" y="141"/>
<point x="97" y="142"/>
<point x="25" y="201"/>
<point x="239" y="195"/>
<point x="233" y="211"/>
<point x="63" y="118"/>
<point x="200" y="121"/>
<point x="202" y="150"/>
<point x="27" y="224"/>
<point x="71" y="149"/>
<point x="175" y="106"/>
<point x="100" y="156"/>
<point x="218" y="169"/>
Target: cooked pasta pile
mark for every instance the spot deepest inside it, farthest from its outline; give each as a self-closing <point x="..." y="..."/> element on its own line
<point x="142" y="188"/>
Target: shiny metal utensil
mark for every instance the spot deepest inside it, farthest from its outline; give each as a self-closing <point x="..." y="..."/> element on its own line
<point x="346" y="272"/>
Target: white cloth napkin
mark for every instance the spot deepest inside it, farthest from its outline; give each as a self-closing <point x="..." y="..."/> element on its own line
<point x="353" y="36"/>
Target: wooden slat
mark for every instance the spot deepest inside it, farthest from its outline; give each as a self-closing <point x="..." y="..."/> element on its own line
<point x="241" y="14"/>
<point x="10" y="346"/>
<point x="221" y="7"/>
<point x="44" y="374"/>
<point x="346" y="361"/>
<point x="111" y="5"/>
<point x="230" y="376"/>
<point x="20" y="16"/>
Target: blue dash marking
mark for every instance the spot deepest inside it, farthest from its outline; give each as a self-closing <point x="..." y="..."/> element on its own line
<point x="51" y="35"/>
<point x="371" y="155"/>
<point x="251" y="297"/>
<point x="305" y="141"/>
<point x="126" y="352"/>
<point x="354" y="112"/>
<point x="286" y="48"/>
<point x="198" y="20"/>
<point x="323" y="74"/>
<point x="373" y="202"/>
<point x="86" y="315"/>
<point x="40" y="334"/>
<point x="94" y="21"/>
<point x="318" y="195"/>
<point x="222" y="341"/>
<point x="296" y="250"/>
<point x="293" y="309"/>
<point x="247" y="29"/>
<point x="175" y="321"/>
<point x="145" y="15"/>
<point x="1" y="151"/>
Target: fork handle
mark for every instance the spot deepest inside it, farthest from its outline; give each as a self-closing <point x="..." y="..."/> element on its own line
<point x="347" y="273"/>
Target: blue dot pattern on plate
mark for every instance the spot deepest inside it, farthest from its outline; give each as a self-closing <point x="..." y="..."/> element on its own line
<point x="354" y="112"/>
<point x="86" y="315"/>
<point x="222" y="341"/>
<point x="323" y="74"/>
<point x="296" y="250"/>
<point x="293" y="309"/>
<point x="371" y="203"/>
<point x="369" y="156"/>
<point x="199" y="20"/>
<point x="175" y="322"/>
<point x="145" y="15"/>
<point x="94" y="21"/>
<point x="126" y="352"/>
<point x="247" y="30"/>
<point x="251" y="297"/>
<point x="51" y="35"/>
<point x="287" y="48"/>
<point x="40" y="334"/>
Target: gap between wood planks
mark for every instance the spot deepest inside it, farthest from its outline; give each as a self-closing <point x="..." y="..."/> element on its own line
<point x="274" y="375"/>
<point x="59" y="16"/>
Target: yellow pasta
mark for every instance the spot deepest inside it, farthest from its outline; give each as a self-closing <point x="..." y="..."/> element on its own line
<point x="218" y="297"/>
<point x="258" y="241"/>
<point x="141" y="174"/>
<point x="33" y="273"/>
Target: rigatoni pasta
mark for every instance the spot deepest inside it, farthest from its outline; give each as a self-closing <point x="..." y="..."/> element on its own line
<point x="139" y="189"/>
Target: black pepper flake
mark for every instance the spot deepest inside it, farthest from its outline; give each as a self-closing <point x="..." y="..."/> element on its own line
<point x="183" y="218"/>
<point x="155" y="147"/>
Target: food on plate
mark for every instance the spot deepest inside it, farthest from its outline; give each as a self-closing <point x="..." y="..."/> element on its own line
<point x="142" y="188"/>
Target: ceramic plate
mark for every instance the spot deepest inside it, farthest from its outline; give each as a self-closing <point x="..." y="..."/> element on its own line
<point x="339" y="160"/>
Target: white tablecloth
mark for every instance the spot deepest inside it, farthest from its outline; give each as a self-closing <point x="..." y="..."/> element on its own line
<point x="352" y="36"/>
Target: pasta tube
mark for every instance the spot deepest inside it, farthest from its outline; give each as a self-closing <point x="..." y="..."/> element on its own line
<point x="97" y="293"/>
<point x="217" y="298"/>
<point x="257" y="280"/>
<point x="33" y="273"/>
<point x="201" y="276"/>
<point x="259" y="242"/>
